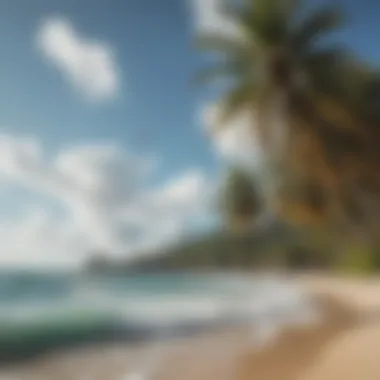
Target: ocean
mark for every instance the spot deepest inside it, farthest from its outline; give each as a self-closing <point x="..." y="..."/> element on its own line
<point x="41" y="311"/>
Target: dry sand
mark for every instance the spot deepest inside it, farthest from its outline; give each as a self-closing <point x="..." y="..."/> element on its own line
<point x="354" y="353"/>
<point x="345" y="346"/>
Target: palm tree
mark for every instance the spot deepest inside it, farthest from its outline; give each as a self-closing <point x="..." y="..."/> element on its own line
<point x="292" y="83"/>
<point x="239" y="200"/>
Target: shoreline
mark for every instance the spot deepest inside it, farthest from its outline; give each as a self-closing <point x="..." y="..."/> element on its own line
<point x="302" y="353"/>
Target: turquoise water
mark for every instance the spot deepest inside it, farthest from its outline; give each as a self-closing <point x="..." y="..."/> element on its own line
<point x="40" y="311"/>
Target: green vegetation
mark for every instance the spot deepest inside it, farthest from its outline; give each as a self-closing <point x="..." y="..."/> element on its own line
<point x="325" y="101"/>
<point x="278" y="247"/>
<point x="357" y="259"/>
<point x="221" y="250"/>
<point x="239" y="200"/>
<point x="322" y="177"/>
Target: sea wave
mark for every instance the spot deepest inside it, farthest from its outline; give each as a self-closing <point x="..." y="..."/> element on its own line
<point x="155" y="307"/>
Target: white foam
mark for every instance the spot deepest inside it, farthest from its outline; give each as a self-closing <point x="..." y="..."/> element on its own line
<point x="267" y="302"/>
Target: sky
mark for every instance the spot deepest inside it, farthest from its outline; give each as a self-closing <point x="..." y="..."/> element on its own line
<point x="104" y="144"/>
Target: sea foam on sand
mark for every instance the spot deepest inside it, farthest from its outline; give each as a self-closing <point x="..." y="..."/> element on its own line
<point x="252" y="315"/>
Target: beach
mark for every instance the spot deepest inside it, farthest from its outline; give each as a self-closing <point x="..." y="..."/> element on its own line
<point x="344" y="344"/>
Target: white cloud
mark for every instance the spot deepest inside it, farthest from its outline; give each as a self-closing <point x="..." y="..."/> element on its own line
<point x="88" y="65"/>
<point x="38" y="239"/>
<point x="101" y="188"/>
<point x="209" y="17"/>
<point x="236" y="141"/>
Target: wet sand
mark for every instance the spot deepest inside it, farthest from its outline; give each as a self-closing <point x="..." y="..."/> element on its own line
<point x="344" y="346"/>
<point x="297" y="350"/>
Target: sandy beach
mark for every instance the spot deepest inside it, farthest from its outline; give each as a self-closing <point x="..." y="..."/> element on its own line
<point x="344" y="345"/>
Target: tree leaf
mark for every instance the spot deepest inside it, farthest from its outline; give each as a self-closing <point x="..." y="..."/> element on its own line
<point x="220" y="44"/>
<point x="236" y="100"/>
<point x="315" y="24"/>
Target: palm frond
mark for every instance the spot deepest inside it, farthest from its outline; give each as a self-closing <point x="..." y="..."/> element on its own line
<point x="265" y="22"/>
<point x="220" y="44"/>
<point x="268" y="7"/>
<point x="315" y="25"/>
<point x="265" y="8"/>
<point x="239" y="198"/>
<point x="326" y="57"/>
<point x="235" y="101"/>
<point x="251" y="18"/>
<point x="324" y="69"/>
<point x="292" y="7"/>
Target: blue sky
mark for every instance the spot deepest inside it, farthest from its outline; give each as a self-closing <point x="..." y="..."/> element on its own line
<point x="155" y="108"/>
<point x="102" y="134"/>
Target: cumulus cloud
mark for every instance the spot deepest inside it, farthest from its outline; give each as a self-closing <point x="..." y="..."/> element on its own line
<point x="88" y="65"/>
<point x="107" y="205"/>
